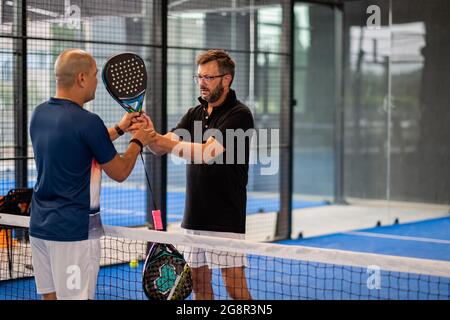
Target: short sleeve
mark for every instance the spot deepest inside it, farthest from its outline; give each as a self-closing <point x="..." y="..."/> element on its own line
<point x="96" y="136"/>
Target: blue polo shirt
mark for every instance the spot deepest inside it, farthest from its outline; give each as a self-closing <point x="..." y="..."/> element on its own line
<point x="67" y="142"/>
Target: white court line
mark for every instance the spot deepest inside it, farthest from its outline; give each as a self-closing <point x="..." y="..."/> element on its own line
<point x="395" y="237"/>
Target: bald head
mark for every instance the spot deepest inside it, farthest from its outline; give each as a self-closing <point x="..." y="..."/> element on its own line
<point x="69" y="64"/>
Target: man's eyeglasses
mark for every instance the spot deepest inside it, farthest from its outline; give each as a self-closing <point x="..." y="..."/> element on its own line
<point x="207" y="79"/>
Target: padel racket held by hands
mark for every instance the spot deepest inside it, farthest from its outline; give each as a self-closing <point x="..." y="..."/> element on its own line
<point x="166" y="275"/>
<point x="125" y="78"/>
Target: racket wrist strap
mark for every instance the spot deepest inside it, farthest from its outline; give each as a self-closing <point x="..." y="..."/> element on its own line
<point x="139" y="143"/>
<point x="119" y="131"/>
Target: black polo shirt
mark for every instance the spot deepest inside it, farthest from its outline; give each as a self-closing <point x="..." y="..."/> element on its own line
<point x="216" y="194"/>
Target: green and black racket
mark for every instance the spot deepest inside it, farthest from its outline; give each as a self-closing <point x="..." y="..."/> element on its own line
<point x="166" y="275"/>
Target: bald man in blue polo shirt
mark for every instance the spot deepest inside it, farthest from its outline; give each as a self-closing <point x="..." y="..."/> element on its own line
<point x="71" y="147"/>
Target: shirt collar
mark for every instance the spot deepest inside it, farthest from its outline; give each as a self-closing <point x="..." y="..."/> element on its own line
<point x="229" y="101"/>
<point x="59" y="101"/>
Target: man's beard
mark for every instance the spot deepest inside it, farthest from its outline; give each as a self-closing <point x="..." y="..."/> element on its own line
<point x="215" y="95"/>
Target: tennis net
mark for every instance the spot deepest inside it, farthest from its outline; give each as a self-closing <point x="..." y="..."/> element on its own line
<point x="273" y="271"/>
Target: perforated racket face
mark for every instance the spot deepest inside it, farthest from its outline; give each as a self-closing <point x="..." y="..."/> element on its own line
<point x="166" y="274"/>
<point x="125" y="78"/>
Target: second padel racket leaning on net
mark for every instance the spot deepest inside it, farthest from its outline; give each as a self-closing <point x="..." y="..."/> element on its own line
<point x="166" y="275"/>
<point x="125" y="78"/>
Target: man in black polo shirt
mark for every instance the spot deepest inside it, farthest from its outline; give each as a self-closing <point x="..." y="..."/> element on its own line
<point x="216" y="191"/>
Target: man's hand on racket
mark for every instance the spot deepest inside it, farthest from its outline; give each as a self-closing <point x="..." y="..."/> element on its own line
<point x="145" y="135"/>
<point x="152" y="146"/>
<point x="143" y="121"/>
<point x="129" y="119"/>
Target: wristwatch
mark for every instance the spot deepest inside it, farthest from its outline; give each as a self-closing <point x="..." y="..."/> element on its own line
<point x="119" y="131"/>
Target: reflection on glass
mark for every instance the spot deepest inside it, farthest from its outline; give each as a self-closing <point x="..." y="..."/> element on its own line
<point x="366" y="108"/>
<point x="314" y="92"/>
<point x="420" y="134"/>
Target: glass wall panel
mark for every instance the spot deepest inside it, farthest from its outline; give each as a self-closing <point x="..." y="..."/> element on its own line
<point x="250" y="31"/>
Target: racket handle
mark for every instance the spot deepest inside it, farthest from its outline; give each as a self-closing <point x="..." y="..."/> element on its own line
<point x="157" y="221"/>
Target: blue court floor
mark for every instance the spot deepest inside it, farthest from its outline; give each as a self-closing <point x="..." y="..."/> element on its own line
<point x="426" y="239"/>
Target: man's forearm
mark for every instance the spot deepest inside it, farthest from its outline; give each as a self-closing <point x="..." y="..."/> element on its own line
<point x="186" y="150"/>
<point x="129" y="158"/>
<point x="163" y="145"/>
<point x="120" y="167"/>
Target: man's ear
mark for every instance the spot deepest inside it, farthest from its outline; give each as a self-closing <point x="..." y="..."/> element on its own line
<point x="228" y="78"/>
<point x="81" y="79"/>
